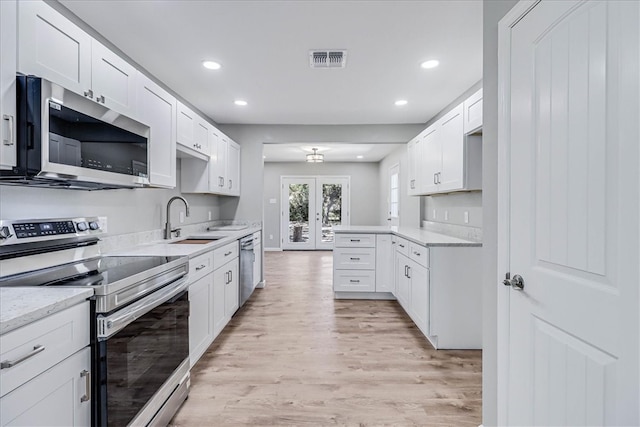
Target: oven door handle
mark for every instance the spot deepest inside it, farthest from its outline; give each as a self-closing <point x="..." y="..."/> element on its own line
<point x="109" y="325"/>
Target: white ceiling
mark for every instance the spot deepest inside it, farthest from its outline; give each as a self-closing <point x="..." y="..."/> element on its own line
<point x="264" y="46"/>
<point x="332" y="152"/>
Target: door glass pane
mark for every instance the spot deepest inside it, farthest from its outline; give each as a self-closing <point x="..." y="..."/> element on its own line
<point x="331" y="210"/>
<point x="298" y="212"/>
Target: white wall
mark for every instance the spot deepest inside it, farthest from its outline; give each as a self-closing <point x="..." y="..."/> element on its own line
<point x="409" y="205"/>
<point x="251" y="138"/>
<point x="493" y="11"/>
<point x="364" y="193"/>
<point x="127" y="211"/>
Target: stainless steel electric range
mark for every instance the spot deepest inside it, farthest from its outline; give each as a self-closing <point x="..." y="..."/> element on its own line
<point x="139" y="315"/>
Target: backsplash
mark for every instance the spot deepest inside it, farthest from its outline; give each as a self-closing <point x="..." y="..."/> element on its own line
<point x="473" y="234"/>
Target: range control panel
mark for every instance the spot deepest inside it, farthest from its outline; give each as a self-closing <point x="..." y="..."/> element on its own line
<point x="34" y="229"/>
<point x="22" y="231"/>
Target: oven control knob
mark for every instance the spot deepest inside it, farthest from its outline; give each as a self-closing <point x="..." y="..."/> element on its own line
<point x="82" y="226"/>
<point x="5" y="233"/>
<point x="94" y="225"/>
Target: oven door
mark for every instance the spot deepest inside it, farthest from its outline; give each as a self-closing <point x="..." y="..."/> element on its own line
<point x="138" y="350"/>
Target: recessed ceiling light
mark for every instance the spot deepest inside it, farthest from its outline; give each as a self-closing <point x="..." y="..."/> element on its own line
<point x="401" y="102"/>
<point x="240" y="102"/>
<point x="211" y="65"/>
<point x="432" y="63"/>
<point x="360" y="157"/>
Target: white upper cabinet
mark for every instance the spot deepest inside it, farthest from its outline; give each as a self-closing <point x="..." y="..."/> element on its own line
<point x="157" y="109"/>
<point x="8" y="53"/>
<point x="52" y="47"/>
<point x="451" y="174"/>
<point x="193" y="133"/>
<point x="113" y="80"/>
<point x="220" y="175"/>
<point x="446" y="158"/>
<point x="473" y="112"/>
<point x="233" y="169"/>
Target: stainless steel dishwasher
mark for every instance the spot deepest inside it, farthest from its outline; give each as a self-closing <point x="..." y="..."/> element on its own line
<point x="247" y="259"/>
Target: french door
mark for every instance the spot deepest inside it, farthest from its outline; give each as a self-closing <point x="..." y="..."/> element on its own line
<point x="311" y="207"/>
<point x="569" y="336"/>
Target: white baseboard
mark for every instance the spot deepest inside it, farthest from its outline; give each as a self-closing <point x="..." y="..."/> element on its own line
<point x="273" y="249"/>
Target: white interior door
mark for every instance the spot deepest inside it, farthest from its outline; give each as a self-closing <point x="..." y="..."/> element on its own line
<point x="571" y="136"/>
<point x="394" y="195"/>
<point x="298" y="229"/>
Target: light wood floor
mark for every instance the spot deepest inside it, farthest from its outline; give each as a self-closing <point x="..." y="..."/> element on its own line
<point x="295" y="356"/>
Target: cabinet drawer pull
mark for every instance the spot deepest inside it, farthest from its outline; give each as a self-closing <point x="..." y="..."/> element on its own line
<point x="228" y="253"/>
<point x="354" y="259"/>
<point x="354" y="281"/>
<point x="416" y="253"/>
<point x="401" y="245"/>
<point x="355" y="240"/>
<point x="10" y="363"/>
<point x="200" y="267"/>
<point x="87" y="385"/>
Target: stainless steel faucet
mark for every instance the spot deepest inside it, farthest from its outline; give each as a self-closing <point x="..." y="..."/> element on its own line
<point x="167" y="226"/>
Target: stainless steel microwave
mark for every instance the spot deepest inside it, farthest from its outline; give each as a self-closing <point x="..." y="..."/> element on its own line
<point x="65" y="140"/>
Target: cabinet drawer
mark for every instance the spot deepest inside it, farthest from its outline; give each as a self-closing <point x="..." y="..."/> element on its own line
<point x="200" y="266"/>
<point x="355" y="240"/>
<point x="419" y="254"/>
<point x="59" y="335"/>
<point x="354" y="281"/>
<point x="354" y="259"/>
<point x="402" y="245"/>
<point x="223" y="255"/>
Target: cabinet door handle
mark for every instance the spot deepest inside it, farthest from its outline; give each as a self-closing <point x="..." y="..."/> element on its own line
<point x="10" y="363"/>
<point x="100" y="99"/>
<point x="230" y="184"/>
<point x="87" y="385"/>
<point x="405" y="271"/>
<point x="200" y="267"/>
<point x="88" y="94"/>
<point x="439" y="173"/>
<point x="226" y="277"/>
<point x="354" y="281"/>
<point x="408" y="272"/>
<point x="10" y="140"/>
<point x="230" y="276"/>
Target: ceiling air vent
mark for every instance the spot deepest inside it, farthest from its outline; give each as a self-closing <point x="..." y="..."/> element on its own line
<point x="328" y="58"/>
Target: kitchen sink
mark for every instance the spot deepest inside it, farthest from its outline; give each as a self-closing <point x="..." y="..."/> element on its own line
<point x="195" y="241"/>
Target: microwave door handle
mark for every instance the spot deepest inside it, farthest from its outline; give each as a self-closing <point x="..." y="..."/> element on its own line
<point x="110" y="325"/>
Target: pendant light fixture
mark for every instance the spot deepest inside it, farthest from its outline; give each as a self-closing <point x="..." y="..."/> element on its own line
<point x="315" y="157"/>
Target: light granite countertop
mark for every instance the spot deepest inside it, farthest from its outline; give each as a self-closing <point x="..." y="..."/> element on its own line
<point x="168" y="248"/>
<point x="417" y="235"/>
<point x="20" y="306"/>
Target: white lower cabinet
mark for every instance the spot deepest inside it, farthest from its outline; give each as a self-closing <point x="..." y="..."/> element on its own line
<point x="201" y="301"/>
<point x="385" y="251"/>
<point x="403" y="286"/>
<point x="45" y="379"/>
<point x="60" y="396"/>
<point x="226" y="294"/>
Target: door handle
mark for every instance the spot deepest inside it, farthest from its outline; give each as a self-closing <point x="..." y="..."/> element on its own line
<point x="516" y="283"/>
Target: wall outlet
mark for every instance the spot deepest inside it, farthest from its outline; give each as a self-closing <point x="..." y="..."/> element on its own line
<point x="270" y="236"/>
<point x="466" y="217"/>
<point x="272" y="201"/>
<point x="209" y="216"/>
<point x="181" y="217"/>
<point x="446" y="215"/>
<point x="434" y="214"/>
